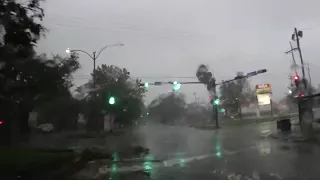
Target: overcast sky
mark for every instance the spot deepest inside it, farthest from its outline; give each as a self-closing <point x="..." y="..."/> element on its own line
<point x="170" y="38"/>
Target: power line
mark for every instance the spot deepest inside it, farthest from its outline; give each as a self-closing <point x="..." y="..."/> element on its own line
<point x="75" y="21"/>
<point x="146" y="77"/>
<point x="157" y="33"/>
<point x="169" y="77"/>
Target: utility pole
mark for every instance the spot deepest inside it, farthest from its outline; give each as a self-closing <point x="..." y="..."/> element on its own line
<point x="296" y="36"/>
<point x="309" y="74"/>
<point x="215" y="107"/>
<point x="94" y="58"/>
<point x="293" y="58"/>
<point x="294" y="63"/>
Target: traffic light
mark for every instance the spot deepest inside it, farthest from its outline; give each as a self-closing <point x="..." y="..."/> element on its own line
<point x="176" y="85"/>
<point x="211" y="99"/>
<point x="216" y="101"/>
<point x="296" y="80"/>
<point x="146" y="85"/>
<point x="112" y="100"/>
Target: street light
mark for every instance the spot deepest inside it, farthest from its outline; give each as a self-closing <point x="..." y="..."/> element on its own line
<point x="94" y="55"/>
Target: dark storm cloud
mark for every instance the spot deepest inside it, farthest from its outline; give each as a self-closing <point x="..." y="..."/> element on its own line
<point x="171" y="38"/>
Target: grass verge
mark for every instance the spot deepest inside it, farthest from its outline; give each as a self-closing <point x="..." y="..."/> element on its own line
<point x="30" y="162"/>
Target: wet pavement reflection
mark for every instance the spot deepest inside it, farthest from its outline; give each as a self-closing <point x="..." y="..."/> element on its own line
<point x="229" y="153"/>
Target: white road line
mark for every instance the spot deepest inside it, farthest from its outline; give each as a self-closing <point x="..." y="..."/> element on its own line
<point x="105" y="169"/>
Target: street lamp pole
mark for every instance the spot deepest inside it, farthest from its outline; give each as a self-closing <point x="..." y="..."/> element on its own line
<point x="94" y="56"/>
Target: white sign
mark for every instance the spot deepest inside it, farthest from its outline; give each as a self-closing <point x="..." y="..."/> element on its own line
<point x="264" y="99"/>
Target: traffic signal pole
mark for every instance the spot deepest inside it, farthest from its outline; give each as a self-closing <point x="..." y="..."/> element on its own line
<point x="215" y="110"/>
<point x="301" y="59"/>
<point x="211" y="86"/>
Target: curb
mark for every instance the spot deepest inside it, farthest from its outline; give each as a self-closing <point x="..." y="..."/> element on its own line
<point x="312" y="139"/>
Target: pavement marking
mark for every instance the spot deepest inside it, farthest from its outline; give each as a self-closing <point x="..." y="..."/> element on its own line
<point x="268" y="122"/>
<point x="172" y="162"/>
<point x="265" y="131"/>
<point x="105" y="169"/>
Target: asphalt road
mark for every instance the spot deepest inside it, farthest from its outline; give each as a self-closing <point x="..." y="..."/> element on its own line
<point x="228" y="153"/>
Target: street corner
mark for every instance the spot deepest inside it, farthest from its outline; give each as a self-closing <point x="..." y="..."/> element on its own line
<point x="295" y="137"/>
<point x="287" y="136"/>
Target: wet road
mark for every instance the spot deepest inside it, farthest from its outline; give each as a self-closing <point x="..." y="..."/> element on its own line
<point x="228" y="153"/>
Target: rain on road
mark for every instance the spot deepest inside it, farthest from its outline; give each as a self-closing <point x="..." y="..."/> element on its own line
<point x="227" y="153"/>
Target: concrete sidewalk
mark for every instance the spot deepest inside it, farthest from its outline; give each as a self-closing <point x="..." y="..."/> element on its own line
<point x="310" y="134"/>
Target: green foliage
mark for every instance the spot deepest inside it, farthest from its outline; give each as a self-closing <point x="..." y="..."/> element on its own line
<point x="38" y="79"/>
<point x="62" y="112"/>
<point x="168" y="107"/>
<point x="21" y="25"/>
<point x="235" y="94"/>
<point x="111" y="81"/>
<point x="27" y="80"/>
<point x="33" y="161"/>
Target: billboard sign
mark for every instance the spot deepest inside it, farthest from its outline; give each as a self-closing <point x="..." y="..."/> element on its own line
<point x="264" y="99"/>
<point x="263" y="88"/>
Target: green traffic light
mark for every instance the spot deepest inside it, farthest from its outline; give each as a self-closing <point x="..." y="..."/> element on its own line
<point x="112" y="100"/>
<point x="218" y="154"/>
<point x="176" y="85"/>
<point x="217" y="101"/>
<point x="146" y="85"/>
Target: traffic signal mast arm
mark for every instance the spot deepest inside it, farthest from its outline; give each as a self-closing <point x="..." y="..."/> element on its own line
<point x="187" y="82"/>
<point x="170" y="82"/>
<point x="250" y="74"/>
